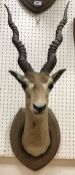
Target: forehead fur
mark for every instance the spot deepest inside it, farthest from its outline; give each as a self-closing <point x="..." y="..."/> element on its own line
<point x="37" y="77"/>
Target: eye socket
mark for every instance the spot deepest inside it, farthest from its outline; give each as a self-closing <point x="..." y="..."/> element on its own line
<point x="50" y="86"/>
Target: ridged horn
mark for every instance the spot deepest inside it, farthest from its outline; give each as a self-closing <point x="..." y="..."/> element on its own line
<point x="24" y="65"/>
<point x="51" y="59"/>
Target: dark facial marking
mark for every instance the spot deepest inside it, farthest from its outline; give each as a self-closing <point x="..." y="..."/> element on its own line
<point x="50" y="86"/>
<point x="24" y="85"/>
<point x="34" y="124"/>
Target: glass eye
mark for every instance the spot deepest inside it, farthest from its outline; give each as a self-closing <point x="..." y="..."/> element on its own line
<point x="50" y="86"/>
<point x="24" y="85"/>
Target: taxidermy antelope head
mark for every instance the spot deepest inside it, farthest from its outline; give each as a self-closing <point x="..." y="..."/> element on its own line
<point x="37" y="87"/>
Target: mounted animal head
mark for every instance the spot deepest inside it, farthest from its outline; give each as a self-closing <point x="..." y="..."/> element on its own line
<point x="37" y="86"/>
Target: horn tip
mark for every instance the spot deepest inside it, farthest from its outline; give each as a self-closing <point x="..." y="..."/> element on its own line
<point x="6" y="6"/>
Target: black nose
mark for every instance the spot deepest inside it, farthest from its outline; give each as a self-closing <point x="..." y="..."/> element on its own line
<point x="39" y="108"/>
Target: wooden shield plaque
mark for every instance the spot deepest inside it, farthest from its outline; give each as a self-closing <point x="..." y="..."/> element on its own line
<point x="37" y="6"/>
<point x="34" y="163"/>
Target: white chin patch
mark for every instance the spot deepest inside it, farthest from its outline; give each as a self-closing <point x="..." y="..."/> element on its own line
<point x="31" y="85"/>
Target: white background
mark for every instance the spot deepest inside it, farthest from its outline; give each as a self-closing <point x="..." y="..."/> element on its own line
<point x="37" y="38"/>
<point x="56" y="167"/>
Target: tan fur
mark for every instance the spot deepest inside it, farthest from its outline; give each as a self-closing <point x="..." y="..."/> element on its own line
<point x="35" y="138"/>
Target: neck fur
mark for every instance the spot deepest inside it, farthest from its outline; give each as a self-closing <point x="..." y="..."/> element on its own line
<point x="35" y="138"/>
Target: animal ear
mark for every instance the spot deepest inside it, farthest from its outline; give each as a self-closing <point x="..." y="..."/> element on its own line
<point x="57" y="75"/>
<point x="23" y="81"/>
